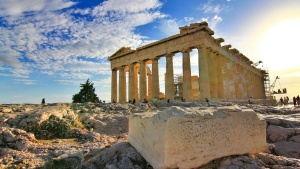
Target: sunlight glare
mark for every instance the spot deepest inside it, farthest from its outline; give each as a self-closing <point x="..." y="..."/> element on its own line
<point x="279" y="45"/>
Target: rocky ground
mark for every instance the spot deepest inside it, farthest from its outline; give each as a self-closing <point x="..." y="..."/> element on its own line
<point x="91" y="136"/>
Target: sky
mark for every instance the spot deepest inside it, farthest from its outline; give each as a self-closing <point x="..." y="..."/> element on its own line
<point x="49" y="47"/>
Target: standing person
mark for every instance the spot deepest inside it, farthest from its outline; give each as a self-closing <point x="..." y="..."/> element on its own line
<point x="281" y="100"/>
<point x="287" y="100"/>
<point x="207" y="101"/>
<point x="133" y="102"/>
<point x="294" y="101"/>
<point x="284" y="100"/>
<point x="43" y="101"/>
<point x="298" y="100"/>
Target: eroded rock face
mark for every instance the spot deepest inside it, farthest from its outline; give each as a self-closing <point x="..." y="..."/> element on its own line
<point x="190" y="137"/>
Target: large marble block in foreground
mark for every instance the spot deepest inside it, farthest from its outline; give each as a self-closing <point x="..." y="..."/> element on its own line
<point x="190" y="137"/>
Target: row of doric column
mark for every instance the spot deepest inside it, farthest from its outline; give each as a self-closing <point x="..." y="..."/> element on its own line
<point x="219" y="78"/>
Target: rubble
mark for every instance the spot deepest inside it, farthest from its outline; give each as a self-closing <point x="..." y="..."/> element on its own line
<point x="99" y="131"/>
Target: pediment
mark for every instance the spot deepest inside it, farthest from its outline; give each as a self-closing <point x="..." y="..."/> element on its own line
<point x="121" y="51"/>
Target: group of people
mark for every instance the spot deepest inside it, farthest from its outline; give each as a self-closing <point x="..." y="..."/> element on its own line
<point x="285" y="100"/>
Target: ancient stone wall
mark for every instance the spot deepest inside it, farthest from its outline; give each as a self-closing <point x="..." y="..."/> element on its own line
<point x="224" y="72"/>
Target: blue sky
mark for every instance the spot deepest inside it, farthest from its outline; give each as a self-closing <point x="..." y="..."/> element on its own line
<point x="49" y="47"/>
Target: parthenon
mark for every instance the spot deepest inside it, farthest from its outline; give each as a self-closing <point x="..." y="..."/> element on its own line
<point x="224" y="72"/>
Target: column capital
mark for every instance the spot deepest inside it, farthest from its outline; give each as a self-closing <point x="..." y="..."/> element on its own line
<point x="186" y="50"/>
<point x="156" y="59"/>
<point x="122" y="68"/>
<point x="170" y="54"/>
<point x="201" y="46"/>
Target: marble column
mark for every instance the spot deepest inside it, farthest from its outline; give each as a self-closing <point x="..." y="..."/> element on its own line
<point x="136" y="87"/>
<point x="255" y="89"/>
<point x="143" y="81"/>
<point x="155" y="78"/>
<point x="248" y="83"/>
<point x="225" y="72"/>
<point x="253" y="85"/>
<point x="240" y="81"/>
<point x="236" y="80"/>
<point x="244" y="83"/>
<point x="169" y="80"/>
<point x="122" y="85"/>
<point x="149" y="75"/>
<point x="187" y="81"/>
<point x="114" y="85"/>
<point x="219" y="76"/>
<point x="204" y="87"/>
<point x="231" y="77"/>
<point x="131" y="94"/>
<point x="212" y="75"/>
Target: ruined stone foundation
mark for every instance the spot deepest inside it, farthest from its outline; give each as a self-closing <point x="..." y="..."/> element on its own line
<point x="190" y="137"/>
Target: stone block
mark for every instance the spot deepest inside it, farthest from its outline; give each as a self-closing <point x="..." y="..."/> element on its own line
<point x="181" y="137"/>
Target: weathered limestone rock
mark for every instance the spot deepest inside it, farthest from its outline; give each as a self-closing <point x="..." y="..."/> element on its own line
<point x="190" y="137"/>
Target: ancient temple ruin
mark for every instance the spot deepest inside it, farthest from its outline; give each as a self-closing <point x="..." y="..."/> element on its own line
<point x="224" y="72"/>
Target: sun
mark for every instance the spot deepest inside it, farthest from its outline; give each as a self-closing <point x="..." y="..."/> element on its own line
<point x="279" y="45"/>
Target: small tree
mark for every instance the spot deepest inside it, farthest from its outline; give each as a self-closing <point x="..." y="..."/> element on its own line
<point x="86" y="94"/>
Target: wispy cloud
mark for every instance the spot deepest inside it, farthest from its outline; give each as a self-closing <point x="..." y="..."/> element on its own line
<point x="209" y="7"/>
<point x="18" y="7"/>
<point x="169" y="26"/>
<point x="39" y="36"/>
<point x="25" y="81"/>
<point x="213" y="22"/>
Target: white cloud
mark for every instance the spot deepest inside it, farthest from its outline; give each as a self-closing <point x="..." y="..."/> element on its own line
<point x="189" y="19"/>
<point x="18" y="7"/>
<point x="9" y="58"/>
<point x="130" y="6"/>
<point x="51" y="41"/>
<point x="169" y="27"/>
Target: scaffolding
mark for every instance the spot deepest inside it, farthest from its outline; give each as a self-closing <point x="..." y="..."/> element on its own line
<point x="266" y="79"/>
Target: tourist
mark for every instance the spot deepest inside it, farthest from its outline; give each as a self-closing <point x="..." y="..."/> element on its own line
<point x="284" y="101"/>
<point x="145" y="101"/>
<point x="298" y="100"/>
<point x="207" y="101"/>
<point x="168" y="101"/>
<point x="250" y="100"/>
<point x="281" y="100"/>
<point x="43" y="101"/>
<point x="294" y="101"/>
<point x="287" y="100"/>
<point x="154" y="101"/>
<point x="133" y="102"/>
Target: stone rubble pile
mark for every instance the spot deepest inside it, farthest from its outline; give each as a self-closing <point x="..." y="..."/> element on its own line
<point x="95" y="136"/>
